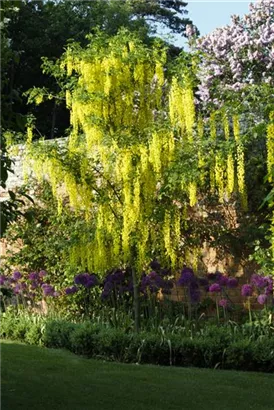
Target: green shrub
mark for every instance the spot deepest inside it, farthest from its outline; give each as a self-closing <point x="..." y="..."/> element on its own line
<point x="215" y="347"/>
<point x="34" y="334"/>
<point x="57" y="334"/>
<point x="111" y="344"/>
<point x="83" y="339"/>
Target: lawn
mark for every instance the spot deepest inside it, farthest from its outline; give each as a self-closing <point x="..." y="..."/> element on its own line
<point x="40" y="379"/>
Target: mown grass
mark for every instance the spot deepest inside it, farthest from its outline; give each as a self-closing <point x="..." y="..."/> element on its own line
<point x="47" y="379"/>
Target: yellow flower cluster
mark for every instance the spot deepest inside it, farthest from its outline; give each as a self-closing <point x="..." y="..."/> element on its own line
<point x="240" y="162"/>
<point x="270" y="147"/>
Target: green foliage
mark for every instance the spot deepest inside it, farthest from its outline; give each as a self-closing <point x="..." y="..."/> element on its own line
<point x="60" y="232"/>
<point x="211" y="347"/>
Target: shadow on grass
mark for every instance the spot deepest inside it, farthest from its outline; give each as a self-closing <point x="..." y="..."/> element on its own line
<point x="41" y="379"/>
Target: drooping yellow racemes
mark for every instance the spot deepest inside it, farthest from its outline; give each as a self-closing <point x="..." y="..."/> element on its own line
<point x="135" y="145"/>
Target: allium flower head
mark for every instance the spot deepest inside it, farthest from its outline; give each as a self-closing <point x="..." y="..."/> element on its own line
<point x="187" y="276"/>
<point x="17" y="289"/>
<point x="48" y="290"/>
<point x="34" y="285"/>
<point x="194" y="292"/>
<point x="262" y="299"/>
<point x="257" y="280"/>
<point x="42" y="273"/>
<point x="71" y="290"/>
<point x="215" y="287"/>
<point x="81" y="279"/>
<point x="247" y="290"/>
<point x="223" y="303"/>
<point x="17" y="275"/>
<point x="2" y="279"/>
<point x="152" y="275"/>
<point x="33" y="276"/>
<point x="92" y="281"/>
<point x="222" y="280"/>
<point x="232" y="283"/>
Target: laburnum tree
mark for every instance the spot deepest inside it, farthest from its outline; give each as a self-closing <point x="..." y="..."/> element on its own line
<point x="139" y="157"/>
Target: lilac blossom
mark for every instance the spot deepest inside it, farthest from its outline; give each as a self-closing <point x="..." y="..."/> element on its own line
<point x="238" y="54"/>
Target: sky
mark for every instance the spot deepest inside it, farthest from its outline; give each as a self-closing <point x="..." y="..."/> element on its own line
<point x="208" y="15"/>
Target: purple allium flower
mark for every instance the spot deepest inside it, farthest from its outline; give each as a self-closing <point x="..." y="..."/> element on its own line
<point x="34" y="285"/>
<point x="257" y="280"/>
<point x="42" y="273"/>
<point x="246" y="290"/>
<point x="160" y="282"/>
<point x="155" y="265"/>
<point x="152" y="275"/>
<point x="187" y="276"/>
<point x="262" y="299"/>
<point x="33" y="276"/>
<point x="194" y="292"/>
<point x="17" y="275"/>
<point x="71" y="290"/>
<point x="81" y="279"/>
<point x="232" y="283"/>
<point x="108" y="286"/>
<point x="17" y="289"/>
<point x="117" y="277"/>
<point x="223" y="303"/>
<point x="2" y="279"/>
<point x="268" y="281"/>
<point x="48" y="290"/>
<point x="222" y="280"/>
<point x="92" y="281"/>
<point x="215" y="287"/>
